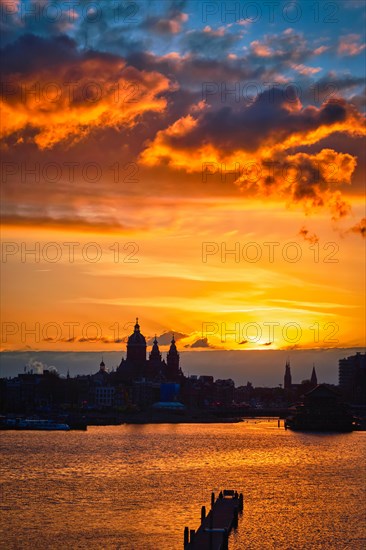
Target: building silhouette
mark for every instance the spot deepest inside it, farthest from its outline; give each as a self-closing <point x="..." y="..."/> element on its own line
<point x="137" y="366"/>
<point x="293" y="390"/>
<point x="352" y="378"/>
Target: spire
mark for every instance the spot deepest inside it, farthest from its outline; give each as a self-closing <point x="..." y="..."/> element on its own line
<point x="314" y="378"/>
<point x="155" y="348"/>
<point x="155" y="355"/>
<point x="173" y="360"/>
<point x="173" y="347"/>
<point x="137" y="326"/>
<point x="287" y="377"/>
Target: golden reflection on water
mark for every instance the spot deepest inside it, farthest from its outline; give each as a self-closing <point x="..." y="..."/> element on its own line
<point x="136" y="487"/>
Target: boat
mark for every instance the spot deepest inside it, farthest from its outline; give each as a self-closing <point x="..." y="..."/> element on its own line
<point x="321" y="411"/>
<point x="32" y="424"/>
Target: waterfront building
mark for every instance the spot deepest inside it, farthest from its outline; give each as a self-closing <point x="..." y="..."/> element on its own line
<point x="352" y="378"/>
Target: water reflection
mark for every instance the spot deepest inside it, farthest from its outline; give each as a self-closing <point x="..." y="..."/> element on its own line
<point x="136" y="487"/>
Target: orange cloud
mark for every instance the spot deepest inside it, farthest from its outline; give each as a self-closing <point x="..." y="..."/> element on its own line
<point x="310" y="179"/>
<point x="260" y="49"/>
<point x="69" y="102"/>
<point x="226" y="138"/>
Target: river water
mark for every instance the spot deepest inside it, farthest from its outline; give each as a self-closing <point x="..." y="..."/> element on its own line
<point x="136" y="487"/>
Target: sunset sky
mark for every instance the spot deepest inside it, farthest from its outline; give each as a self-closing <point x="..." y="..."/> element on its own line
<point x="199" y="165"/>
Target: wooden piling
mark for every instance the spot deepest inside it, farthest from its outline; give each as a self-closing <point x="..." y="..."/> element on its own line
<point x="186" y="537"/>
<point x="236" y="516"/>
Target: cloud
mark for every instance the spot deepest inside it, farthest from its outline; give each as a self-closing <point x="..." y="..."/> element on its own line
<point x="304" y="70"/>
<point x="103" y="91"/>
<point x="320" y="50"/>
<point x="270" y="122"/>
<point x="200" y="343"/>
<point x="350" y="44"/>
<point x="260" y="50"/>
<point x="164" y="26"/>
<point x="359" y="228"/>
<point x="169" y="21"/>
<point x="262" y="134"/>
<point x="209" y="42"/>
<point x="166" y="337"/>
<point x="311" y="238"/>
<point x="283" y="49"/>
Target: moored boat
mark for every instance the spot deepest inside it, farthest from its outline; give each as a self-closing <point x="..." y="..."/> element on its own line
<point x="32" y="424"/>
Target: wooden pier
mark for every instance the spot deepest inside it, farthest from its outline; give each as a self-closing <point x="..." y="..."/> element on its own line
<point x="213" y="533"/>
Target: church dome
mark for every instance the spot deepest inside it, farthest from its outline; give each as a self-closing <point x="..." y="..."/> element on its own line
<point x="136" y="338"/>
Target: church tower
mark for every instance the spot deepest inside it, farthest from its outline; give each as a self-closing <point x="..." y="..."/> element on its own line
<point x="173" y="369"/>
<point x="136" y="348"/>
<point x="314" y="378"/>
<point x="155" y="355"/>
<point x="288" y="377"/>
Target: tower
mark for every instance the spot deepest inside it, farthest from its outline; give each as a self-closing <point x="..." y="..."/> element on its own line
<point x="287" y="377"/>
<point x="314" y="379"/>
<point x="155" y="355"/>
<point x="173" y="369"/>
<point x="136" y="349"/>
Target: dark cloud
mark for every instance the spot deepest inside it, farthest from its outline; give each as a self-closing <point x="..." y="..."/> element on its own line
<point x="359" y="228"/>
<point x="271" y="118"/>
<point x="305" y="233"/>
<point x="30" y="53"/>
<point x="170" y="22"/>
<point x="166" y="337"/>
<point x="200" y="343"/>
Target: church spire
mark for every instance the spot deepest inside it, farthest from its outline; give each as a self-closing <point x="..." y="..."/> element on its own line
<point x="173" y="361"/>
<point x="287" y="377"/>
<point x="314" y="378"/>
<point x="155" y="355"/>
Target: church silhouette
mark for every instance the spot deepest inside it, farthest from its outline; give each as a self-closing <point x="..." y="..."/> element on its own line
<point x="155" y="368"/>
